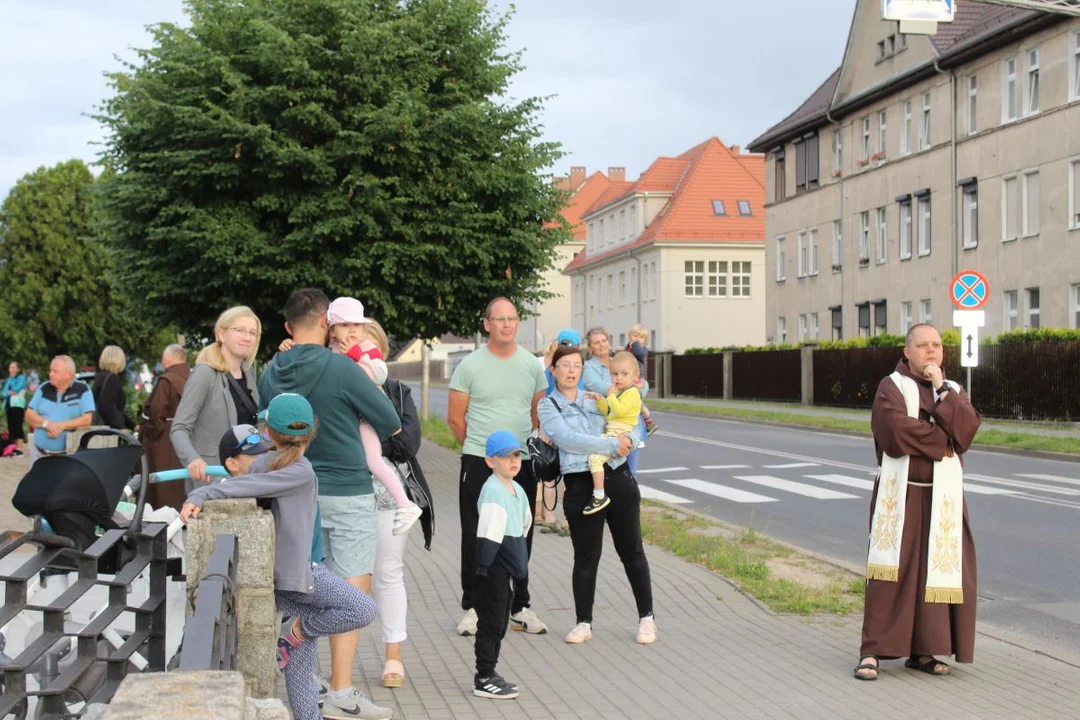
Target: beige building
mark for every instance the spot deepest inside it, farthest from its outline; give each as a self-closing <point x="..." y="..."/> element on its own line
<point x="921" y="156"/>
<point x="681" y="250"/>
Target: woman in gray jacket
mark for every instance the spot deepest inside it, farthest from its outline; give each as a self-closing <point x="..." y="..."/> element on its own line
<point x="220" y="393"/>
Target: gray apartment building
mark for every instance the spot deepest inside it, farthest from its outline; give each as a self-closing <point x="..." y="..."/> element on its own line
<point x="920" y="156"/>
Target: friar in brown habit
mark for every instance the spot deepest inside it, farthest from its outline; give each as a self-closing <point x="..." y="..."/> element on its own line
<point x="921" y="582"/>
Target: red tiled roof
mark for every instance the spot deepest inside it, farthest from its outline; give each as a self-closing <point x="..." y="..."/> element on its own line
<point x="702" y="174"/>
<point x="595" y="186"/>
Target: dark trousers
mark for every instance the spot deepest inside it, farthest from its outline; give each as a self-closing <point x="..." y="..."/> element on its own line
<point x="474" y="473"/>
<point x="623" y="518"/>
<point x="493" y="601"/>
<point x="15" y="423"/>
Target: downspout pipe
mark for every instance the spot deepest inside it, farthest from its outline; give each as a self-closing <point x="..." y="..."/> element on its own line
<point x="840" y="127"/>
<point x="953" y="167"/>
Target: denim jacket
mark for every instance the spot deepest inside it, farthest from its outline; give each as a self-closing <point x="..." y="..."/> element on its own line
<point x="596" y="377"/>
<point x="575" y="428"/>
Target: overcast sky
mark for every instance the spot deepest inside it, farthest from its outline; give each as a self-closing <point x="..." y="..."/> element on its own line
<point x="633" y="80"/>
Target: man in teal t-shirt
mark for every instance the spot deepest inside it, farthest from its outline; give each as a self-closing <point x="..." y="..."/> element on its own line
<point x="497" y="387"/>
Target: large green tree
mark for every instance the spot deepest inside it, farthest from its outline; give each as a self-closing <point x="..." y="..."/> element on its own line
<point x="367" y="147"/>
<point x="56" y="278"/>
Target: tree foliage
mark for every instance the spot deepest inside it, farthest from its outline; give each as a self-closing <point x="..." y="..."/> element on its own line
<point x="362" y="146"/>
<point x="56" y="277"/>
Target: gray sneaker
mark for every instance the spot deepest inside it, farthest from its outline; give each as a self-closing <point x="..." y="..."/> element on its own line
<point x="356" y="705"/>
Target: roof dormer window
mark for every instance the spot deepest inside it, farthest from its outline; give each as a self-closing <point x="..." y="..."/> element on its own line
<point x="718" y="207"/>
<point x="744" y="207"/>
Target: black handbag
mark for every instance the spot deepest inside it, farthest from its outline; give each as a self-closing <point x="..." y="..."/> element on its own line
<point x="544" y="456"/>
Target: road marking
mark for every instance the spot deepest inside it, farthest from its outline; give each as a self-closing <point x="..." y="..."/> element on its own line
<point x="1055" y="489"/>
<point x="723" y="467"/>
<point x="844" y="480"/>
<point x="1051" y="478"/>
<point x="653" y="494"/>
<point x="721" y="491"/>
<point x="812" y="491"/>
<point x="790" y="465"/>
<point x="660" y="470"/>
<point x="986" y="490"/>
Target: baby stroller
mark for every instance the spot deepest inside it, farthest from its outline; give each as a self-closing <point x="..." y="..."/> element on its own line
<point x="68" y="497"/>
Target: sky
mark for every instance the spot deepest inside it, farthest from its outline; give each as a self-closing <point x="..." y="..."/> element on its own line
<point x="631" y="80"/>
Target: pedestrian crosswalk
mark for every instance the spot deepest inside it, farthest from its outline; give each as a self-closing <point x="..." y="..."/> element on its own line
<point x="739" y="483"/>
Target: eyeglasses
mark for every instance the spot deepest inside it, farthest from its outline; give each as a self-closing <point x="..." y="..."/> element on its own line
<point x="244" y="332"/>
<point x="571" y="343"/>
<point x="504" y="318"/>
<point x="575" y="366"/>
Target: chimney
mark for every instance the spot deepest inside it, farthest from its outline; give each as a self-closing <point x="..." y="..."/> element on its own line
<point x="577" y="176"/>
<point x="736" y="150"/>
<point x="616" y="174"/>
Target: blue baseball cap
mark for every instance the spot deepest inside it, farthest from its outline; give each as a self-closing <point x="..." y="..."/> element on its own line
<point x="501" y="443"/>
<point x="289" y="409"/>
<point x="569" y="336"/>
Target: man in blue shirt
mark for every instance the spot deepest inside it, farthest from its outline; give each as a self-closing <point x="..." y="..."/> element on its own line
<point x="58" y="407"/>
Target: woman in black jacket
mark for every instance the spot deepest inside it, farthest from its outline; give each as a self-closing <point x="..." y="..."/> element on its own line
<point x="109" y="399"/>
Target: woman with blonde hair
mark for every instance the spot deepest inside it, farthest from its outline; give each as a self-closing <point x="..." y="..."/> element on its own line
<point x="108" y="389"/>
<point x="219" y="394"/>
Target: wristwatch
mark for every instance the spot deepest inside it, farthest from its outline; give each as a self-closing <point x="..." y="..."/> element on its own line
<point x="945" y="387"/>
<point x="44" y="424"/>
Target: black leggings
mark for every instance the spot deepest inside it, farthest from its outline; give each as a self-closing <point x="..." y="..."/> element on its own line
<point x="623" y="517"/>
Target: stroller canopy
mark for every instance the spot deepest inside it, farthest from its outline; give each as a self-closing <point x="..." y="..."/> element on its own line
<point x="90" y="481"/>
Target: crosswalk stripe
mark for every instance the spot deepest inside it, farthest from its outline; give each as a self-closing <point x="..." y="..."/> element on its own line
<point x="653" y="494"/>
<point x="795" y="487"/>
<point x="721" y="491"/>
<point x="652" y="471"/>
<point x="790" y="465"/>
<point x="724" y="467"/>
<point x="986" y="490"/>
<point x="1051" y="478"/>
<point x="844" y="480"/>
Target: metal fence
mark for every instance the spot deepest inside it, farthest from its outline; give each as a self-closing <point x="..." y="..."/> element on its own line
<point x="1035" y="381"/>
<point x="98" y="666"/>
<point x="849" y="378"/>
<point x="210" y="640"/>
<point x="701" y="375"/>
<point x="767" y="375"/>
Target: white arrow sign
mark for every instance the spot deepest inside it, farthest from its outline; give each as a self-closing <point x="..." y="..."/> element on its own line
<point x="969" y="322"/>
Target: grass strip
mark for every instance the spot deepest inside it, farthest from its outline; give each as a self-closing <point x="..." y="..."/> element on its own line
<point x="437" y="431"/>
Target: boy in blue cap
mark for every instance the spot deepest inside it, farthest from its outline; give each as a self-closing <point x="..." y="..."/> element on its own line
<point x="501" y="554"/>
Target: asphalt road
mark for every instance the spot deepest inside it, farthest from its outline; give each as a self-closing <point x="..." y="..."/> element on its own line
<point x="812" y="489"/>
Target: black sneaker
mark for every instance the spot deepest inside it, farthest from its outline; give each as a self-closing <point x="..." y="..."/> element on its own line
<point x="596" y="505"/>
<point x="494" y="688"/>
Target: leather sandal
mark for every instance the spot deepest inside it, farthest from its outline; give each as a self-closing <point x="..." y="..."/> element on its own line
<point x="393" y="674"/>
<point x="933" y="666"/>
<point x="863" y="665"/>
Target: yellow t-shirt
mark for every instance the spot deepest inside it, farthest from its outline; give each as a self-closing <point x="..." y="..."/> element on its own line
<point x="623" y="407"/>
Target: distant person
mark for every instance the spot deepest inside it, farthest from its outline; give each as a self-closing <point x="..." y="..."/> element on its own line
<point x="638" y="347"/>
<point x="15" y="392"/>
<point x="109" y="394"/>
<point x="156" y="424"/>
<point x="60" y="405"/>
<point x="921" y="581"/>
<point x="496" y="387"/>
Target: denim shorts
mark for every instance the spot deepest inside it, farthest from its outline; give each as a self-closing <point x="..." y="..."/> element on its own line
<point x="349" y="533"/>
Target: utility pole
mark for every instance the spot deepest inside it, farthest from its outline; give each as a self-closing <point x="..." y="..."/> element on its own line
<point x="425" y="379"/>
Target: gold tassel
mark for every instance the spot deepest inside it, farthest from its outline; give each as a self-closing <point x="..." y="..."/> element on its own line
<point x="953" y="596"/>
<point x="887" y="573"/>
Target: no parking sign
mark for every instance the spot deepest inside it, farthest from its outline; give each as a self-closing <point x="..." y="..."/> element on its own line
<point x="969" y="291"/>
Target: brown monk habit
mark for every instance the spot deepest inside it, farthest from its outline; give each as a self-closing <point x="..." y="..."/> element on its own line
<point x="897" y="622"/>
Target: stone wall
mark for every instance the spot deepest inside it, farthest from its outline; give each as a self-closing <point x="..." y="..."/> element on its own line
<point x="187" y="696"/>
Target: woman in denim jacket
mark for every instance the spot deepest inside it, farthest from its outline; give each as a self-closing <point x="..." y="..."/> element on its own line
<point x="573" y="425"/>
<point x="596" y="377"/>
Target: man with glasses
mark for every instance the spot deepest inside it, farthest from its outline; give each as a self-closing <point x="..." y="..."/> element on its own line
<point x="497" y="387"/>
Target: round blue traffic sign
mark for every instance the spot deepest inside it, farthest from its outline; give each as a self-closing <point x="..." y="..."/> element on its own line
<point x="969" y="290"/>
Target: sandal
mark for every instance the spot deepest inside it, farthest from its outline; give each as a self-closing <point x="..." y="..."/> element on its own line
<point x="863" y="665"/>
<point x="932" y="666"/>
<point x="393" y="674"/>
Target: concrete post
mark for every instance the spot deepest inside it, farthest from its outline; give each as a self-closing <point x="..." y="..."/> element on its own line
<point x="425" y="378"/>
<point x="189" y="695"/>
<point x="256" y="611"/>
<point x="669" y="362"/>
<point x="729" y="374"/>
<point x="807" y="351"/>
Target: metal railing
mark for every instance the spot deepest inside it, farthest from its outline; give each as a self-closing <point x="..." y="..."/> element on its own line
<point x="210" y="640"/>
<point x="102" y="656"/>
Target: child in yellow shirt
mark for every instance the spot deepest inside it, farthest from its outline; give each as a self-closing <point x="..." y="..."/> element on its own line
<point x="621" y="407"/>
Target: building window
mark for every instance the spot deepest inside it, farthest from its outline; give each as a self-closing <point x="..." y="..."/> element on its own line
<point x="781" y="259"/>
<point x="592" y="235"/>
<point x="807" y="163"/>
<point x="1031" y="98"/>
<point x="645" y="282"/>
<point x="744" y="207"/>
<point x="1009" y="90"/>
<point x="610" y="291"/>
<point x="973" y="105"/>
<point x="1033" y="308"/>
<point x="781" y="330"/>
<point x="881" y="318"/>
<point x="622" y="339"/>
<point x="1074" y="305"/>
<point x="837" y="245"/>
<point x="740" y="279"/>
<point x="969" y="216"/>
<point x="837" y="323"/>
<point x="814" y="326"/>
<point x="1074" y="66"/>
<point x="905" y="230"/>
<point x="694" y="272"/>
<point x="633" y="286"/>
<point x="924" y="311"/>
<point x="882" y="236"/>
<point x="600" y="292"/>
<point x="864" y="237"/>
<point x="1032" y="208"/>
<point x="780" y="179"/>
<point x="905" y="127"/>
<point x="622" y="225"/>
<point x="622" y="287"/>
<point x="633" y="221"/>
<point x="905" y="317"/>
<point x="804" y="327"/>
<point x="881" y="50"/>
<point x="924" y="129"/>
<point x="901" y="41"/>
<point x="652" y="338"/>
<point x="1074" y="194"/>
<point x="800" y="255"/>
<point x="838" y="151"/>
<point x="655" y="281"/>
<point x="812" y="269"/>
<point x="864" y="320"/>
<point x="718" y="207"/>
<point x="717" y="278"/>
<point x="864" y="153"/>
<point x="1010" y="208"/>
<point x="1012" y="312"/>
<point x="882" y="119"/>
<point x="924" y="225"/>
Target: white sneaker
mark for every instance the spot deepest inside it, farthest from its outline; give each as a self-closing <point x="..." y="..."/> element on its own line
<point x="646" y="632"/>
<point x="355" y="705"/>
<point x="405" y="518"/>
<point x="467" y="626"/>
<point x="582" y="632"/>
<point x="526" y="621"/>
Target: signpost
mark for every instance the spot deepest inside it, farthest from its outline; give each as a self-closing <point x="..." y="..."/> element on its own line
<point x="969" y="291"/>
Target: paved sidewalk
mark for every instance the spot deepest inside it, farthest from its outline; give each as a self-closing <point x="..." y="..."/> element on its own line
<point x="718" y="655"/>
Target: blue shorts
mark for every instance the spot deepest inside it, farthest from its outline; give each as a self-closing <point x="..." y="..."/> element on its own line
<point x="349" y="534"/>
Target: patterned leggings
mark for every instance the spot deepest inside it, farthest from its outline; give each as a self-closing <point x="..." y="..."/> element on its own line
<point x="332" y="608"/>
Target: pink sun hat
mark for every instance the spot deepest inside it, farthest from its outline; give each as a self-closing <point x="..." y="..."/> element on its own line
<point x="346" y="310"/>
